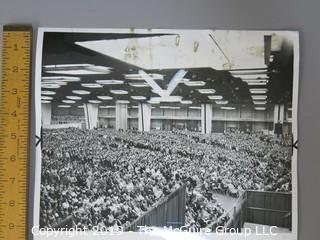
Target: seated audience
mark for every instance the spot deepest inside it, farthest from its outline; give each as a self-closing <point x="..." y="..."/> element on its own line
<point x="105" y="177"/>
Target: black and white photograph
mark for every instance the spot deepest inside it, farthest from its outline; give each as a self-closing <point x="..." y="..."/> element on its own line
<point x="145" y="129"/>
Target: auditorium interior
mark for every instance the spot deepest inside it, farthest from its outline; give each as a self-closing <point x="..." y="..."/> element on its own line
<point x="207" y="86"/>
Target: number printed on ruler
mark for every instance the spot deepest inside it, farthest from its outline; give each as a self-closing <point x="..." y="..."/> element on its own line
<point x="14" y="132"/>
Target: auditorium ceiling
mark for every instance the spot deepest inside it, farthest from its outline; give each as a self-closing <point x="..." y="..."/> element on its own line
<point x="135" y="68"/>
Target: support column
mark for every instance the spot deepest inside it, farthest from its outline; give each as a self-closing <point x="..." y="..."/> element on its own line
<point x="278" y="118"/>
<point x="144" y="117"/>
<point x="206" y="118"/>
<point x="46" y="112"/>
<point x="121" y="116"/>
<point x="91" y="115"/>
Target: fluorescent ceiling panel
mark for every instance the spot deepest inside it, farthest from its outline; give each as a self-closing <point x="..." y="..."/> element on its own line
<point x="119" y="92"/>
<point x="206" y="91"/>
<point x="45" y="101"/>
<point x="104" y="97"/>
<point x="221" y="102"/>
<point x="50" y="86"/>
<point x="260" y="108"/>
<point x="215" y="97"/>
<point x="77" y="69"/>
<point x="91" y="85"/>
<point x="194" y="107"/>
<point x="165" y="99"/>
<point x="258" y="90"/>
<point x="259" y="97"/>
<point x="81" y="92"/>
<point x="74" y="97"/>
<point x="95" y="101"/>
<point x="154" y="76"/>
<point x="69" y="101"/>
<point x="259" y="102"/>
<point x="227" y="108"/>
<point x="60" y="83"/>
<point x="109" y="82"/>
<point x="252" y="76"/>
<point x="257" y="83"/>
<point x="46" y="98"/>
<point x="123" y="101"/>
<point x="248" y="72"/>
<point x="107" y="106"/>
<point x="139" y="85"/>
<point x="44" y="92"/>
<point x="169" y="107"/>
<point x="61" y="78"/>
<point x="186" y="102"/>
<point x="64" y="106"/>
<point x="194" y="83"/>
<point x="138" y="97"/>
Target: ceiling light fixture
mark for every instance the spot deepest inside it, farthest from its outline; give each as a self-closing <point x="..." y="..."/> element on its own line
<point x="81" y="92"/>
<point x="123" y="101"/>
<point x="215" y="97"/>
<point x="61" y="78"/>
<point x="60" y="83"/>
<point x="195" y="107"/>
<point x="109" y="82"/>
<point x="95" y="101"/>
<point x="64" y="106"/>
<point x="257" y="83"/>
<point x="154" y="76"/>
<point x="206" y="91"/>
<point x="91" y="85"/>
<point x="227" y="108"/>
<point x="107" y="106"/>
<point x="166" y="99"/>
<point x="46" y="98"/>
<point x="77" y="69"/>
<point x="259" y="97"/>
<point x="259" y="102"/>
<point x="248" y="72"/>
<point x="139" y="85"/>
<point x="104" y="97"/>
<point x="48" y="92"/>
<point x="221" y="102"/>
<point x="169" y="107"/>
<point x="119" y="92"/>
<point x="260" y="108"/>
<point x="74" y="97"/>
<point x="50" y="85"/>
<point x="186" y="102"/>
<point x="68" y="101"/>
<point x="251" y="76"/>
<point x="194" y="83"/>
<point x="138" y="97"/>
<point x="258" y="90"/>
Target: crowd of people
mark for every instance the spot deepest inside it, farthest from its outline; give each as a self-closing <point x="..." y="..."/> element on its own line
<point x="105" y="177"/>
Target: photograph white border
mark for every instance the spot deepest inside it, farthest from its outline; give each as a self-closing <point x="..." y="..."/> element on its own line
<point x="136" y="235"/>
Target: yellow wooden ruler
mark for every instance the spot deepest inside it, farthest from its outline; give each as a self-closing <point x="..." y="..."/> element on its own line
<point x="14" y="131"/>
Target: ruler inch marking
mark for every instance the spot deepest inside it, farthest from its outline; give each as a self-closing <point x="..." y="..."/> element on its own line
<point x="14" y="131"/>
